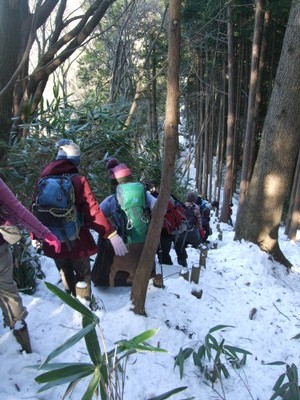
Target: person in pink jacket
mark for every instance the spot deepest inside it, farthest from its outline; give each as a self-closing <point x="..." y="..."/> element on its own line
<point x="73" y="262"/>
<point x="12" y="212"/>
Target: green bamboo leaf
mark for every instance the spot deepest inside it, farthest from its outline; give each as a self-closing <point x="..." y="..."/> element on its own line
<point x="212" y="342"/>
<point x="225" y="371"/>
<point x="235" y="350"/>
<point x="297" y="336"/>
<point x="62" y="376"/>
<point x="138" y="343"/>
<point x="293" y="373"/>
<point x="197" y="359"/>
<point x="133" y="342"/>
<point x="92" y="343"/>
<point x="144" y="336"/>
<point x="52" y="366"/>
<point x="282" y="390"/>
<point x="72" y="302"/>
<point x="181" y="357"/>
<point x="208" y="347"/>
<point x="93" y="385"/>
<point x="218" y="355"/>
<point x="219" y="327"/>
<point x="104" y="374"/>
<point x="70" y="389"/>
<point x="64" y="372"/>
<point x="201" y="351"/>
<point x="68" y="343"/>
<point x="170" y="393"/>
<point x="279" y="382"/>
<point x="275" y="363"/>
<point x="293" y="393"/>
<point x="148" y="347"/>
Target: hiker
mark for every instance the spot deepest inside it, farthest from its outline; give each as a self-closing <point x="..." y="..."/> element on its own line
<point x="205" y="209"/>
<point x="215" y="206"/>
<point x="13" y="310"/>
<point x="111" y="163"/>
<point x="132" y="229"/>
<point x="174" y="224"/>
<point x="230" y="205"/>
<point x="73" y="261"/>
<point x="192" y="235"/>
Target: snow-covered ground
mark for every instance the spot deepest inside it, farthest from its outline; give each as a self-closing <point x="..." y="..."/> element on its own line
<point x="242" y="288"/>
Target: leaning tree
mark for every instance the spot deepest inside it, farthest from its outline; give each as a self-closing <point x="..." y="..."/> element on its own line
<point x="259" y="215"/>
<point x="21" y="91"/>
<point x="142" y="275"/>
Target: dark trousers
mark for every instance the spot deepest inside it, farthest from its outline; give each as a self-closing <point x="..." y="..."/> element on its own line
<point x="73" y="271"/>
<point x="165" y="245"/>
<point x="189" y="237"/>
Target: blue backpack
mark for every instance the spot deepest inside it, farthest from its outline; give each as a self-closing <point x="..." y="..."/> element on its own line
<point x="55" y="207"/>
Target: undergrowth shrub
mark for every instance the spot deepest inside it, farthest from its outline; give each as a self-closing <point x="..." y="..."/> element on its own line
<point x="106" y="369"/>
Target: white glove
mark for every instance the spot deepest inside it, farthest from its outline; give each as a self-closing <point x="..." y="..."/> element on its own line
<point x="38" y="244"/>
<point x="118" y="244"/>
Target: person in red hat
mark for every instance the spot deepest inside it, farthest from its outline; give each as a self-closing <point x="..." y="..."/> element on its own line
<point x="121" y="270"/>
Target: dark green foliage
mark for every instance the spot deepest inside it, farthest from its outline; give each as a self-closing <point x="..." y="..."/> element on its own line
<point x="287" y="385"/>
<point x="212" y="358"/>
<point x="100" y="134"/>
<point x="105" y="368"/>
<point x="27" y="267"/>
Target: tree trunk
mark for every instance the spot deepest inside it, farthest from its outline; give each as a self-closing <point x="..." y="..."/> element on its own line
<point x="140" y="283"/>
<point x="261" y="69"/>
<point x="260" y="214"/>
<point x="230" y="123"/>
<point x="10" y="33"/>
<point x="246" y="167"/>
<point x="33" y="87"/>
<point x="293" y="219"/>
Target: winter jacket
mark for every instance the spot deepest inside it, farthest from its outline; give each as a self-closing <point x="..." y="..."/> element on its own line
<point x="12" y="212"/>
<point x="193" y="214"/>
<point x="87" y="206"/>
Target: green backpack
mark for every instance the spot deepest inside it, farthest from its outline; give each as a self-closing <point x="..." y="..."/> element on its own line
<point x="135" y="216"/>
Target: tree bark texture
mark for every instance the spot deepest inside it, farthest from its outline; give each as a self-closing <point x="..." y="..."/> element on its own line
<point x="230" y="123"/>
<point x="142" y="275"/>
<point x="260" y="214"/>
<point x="293" y="219"/>
<point x="246" y="167"/>
<point x="10" y="32"/>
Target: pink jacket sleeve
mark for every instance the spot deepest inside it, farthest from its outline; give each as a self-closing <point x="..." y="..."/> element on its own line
<point x="13" y="212"/>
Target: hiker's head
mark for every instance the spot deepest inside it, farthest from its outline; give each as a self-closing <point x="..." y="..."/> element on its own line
<point x="151" y="187"/>
<point x="112" y="163"/>
<point x="68" y="150"/>
<point x="191" y="197"/>
<point x="121" y="173"/>
<point x="215" y="205"/>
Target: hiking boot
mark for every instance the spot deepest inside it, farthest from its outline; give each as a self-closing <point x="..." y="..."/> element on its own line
<point x="183" y="263"/>
<point x="22" y="336"/>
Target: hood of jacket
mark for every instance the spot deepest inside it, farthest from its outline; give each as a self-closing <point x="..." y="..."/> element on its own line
<point x="59" y="167"/>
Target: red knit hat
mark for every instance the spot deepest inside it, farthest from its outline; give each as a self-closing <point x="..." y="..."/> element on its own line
<point x="121" y="171"/>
